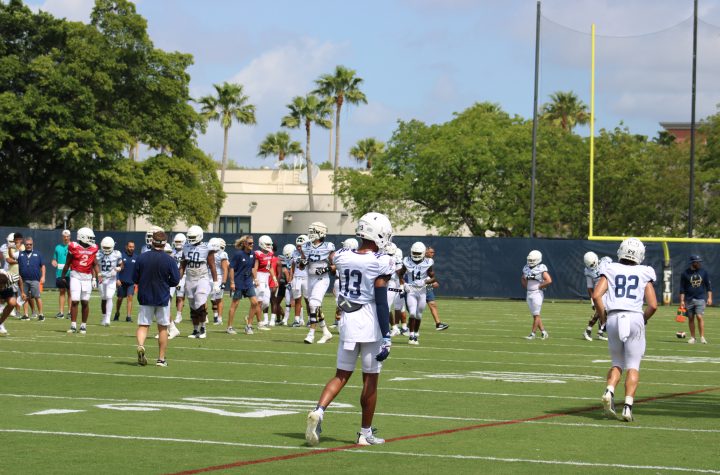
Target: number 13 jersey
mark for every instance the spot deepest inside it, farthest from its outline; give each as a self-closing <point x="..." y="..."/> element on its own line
<point x="626" y="286"/>
<point x="358" y="273"/>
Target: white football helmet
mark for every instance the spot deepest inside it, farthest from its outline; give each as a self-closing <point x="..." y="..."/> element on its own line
<point x="350" y="243"/>
<point x="390" y="249"/>
<point x="534" y="258"/>
<point x="417" y="252"/>
<point x="398" y="255"/>
<point x="179" y="241"/>
<point x="632" y="249"/>
<point x="195" y="235"/>
<point x="86" y="236"/>
<point x="214" y="244"/>
<point x="11" y="239"/>
<point x="288" y="251"/>
<point x="107" y="245"/>
<point x="317" y="230"/>
<point x="221" y="243"/>
<point x="168" y="248"/>
<point x="265" y="243"/>
<point x="301" y="239"/>
<point x="375" y="227"/>
<point x="591" y="260"/>
<point x="150" y="232"/>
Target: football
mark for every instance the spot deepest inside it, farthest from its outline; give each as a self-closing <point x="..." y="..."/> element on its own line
<point x="680" y="334"/>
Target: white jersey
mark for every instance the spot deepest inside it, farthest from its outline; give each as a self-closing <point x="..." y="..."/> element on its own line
<point x="4" y="251"/>
<point x="626" y="286"/>
<point x="534" y="276"/>
<point x="358" y="271"/>
<point x="394" y="282"/>
<point x="177" y="254"/>
<point x="317" y="256"/>
<point x="195" y="257"/>
<point x="109" y="263"/>
<point x="592" y="275"/>
<point x="417" y="272"/>
<point x="219" y="257"/>
<point x="295" y="259"/>
<point x="146" y="248"/>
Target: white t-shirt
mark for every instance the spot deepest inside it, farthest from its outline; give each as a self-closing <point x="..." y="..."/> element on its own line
<point x="626" y="286"/>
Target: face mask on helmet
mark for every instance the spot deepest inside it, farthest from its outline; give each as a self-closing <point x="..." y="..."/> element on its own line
<point x="265" y="243"/>
<point x="179" y="241"/>
<point x="301" y="239"/>
<point x="417" y="252"/>
<point x="195" y="235"/>
<point x="86" y="236"/>
<point x="221" y="244"/>
<point x="288" y="251"/>
<point x="534" y="258"/>
<point x="317" y="230"/>
<point x="107" y="245"/>
<point x="149" y="234"/>
<point x="590" y="259"/>
<point x="391" y="249"/>
<point x="168" y="248"/>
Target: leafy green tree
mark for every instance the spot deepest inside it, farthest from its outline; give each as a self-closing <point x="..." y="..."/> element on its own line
<point x="341" y="87"/>
<point x="227" y="106"/>
<point x="566" y="110"/>
<point x="365" y="150"/>
<point x="279" y="145"/>
<point x="304" y="112"/>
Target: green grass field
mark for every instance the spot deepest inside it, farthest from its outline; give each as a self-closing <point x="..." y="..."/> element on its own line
<point x="477" y="398"/>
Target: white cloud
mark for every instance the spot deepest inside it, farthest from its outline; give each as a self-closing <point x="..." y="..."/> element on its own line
<point x="75" y="10"/>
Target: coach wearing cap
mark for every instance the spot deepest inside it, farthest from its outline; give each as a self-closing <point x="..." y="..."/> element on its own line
<point x="155" y="272"/>
<point x="695" y="293"/>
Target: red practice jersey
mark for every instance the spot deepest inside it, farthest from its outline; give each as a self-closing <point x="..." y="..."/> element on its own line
<point x="83" y="257"/>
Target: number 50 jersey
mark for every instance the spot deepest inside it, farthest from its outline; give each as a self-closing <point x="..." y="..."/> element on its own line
<point x="358" y="273"/>
<point x="195" y="257"/>
<point x="626" y="285"/>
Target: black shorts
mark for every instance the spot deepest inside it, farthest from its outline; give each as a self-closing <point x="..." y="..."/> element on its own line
<point x="61" y="283"/>
<point x="125" y="289"/>
<point x="7" y="293"/>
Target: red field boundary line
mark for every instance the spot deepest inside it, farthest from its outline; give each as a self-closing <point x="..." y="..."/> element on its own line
<point x="243" y="463"/>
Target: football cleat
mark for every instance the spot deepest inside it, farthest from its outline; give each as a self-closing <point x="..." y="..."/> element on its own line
<point x="394" y="332"/>
<point x="609" y="405"/>
<point x="178" y="319"/>
<point x="530" y="336"/>
<point x="440" y="326"/>
<point x="116" y="318"/>
<point x="325" y="338"/>
<point x="263" y="326"/>
<point x="627" y="413"/>
<point x="162" y="363"/>
<point x="41" y="318"/>
<point x="545" y="335"/>
<point x="83" y="330"/>
<point x="248" y="330"/>
<point x="404" y="331"/>
<point x="413" y="341"/>
<point x="587" y="335"/>
<point x="703" y="340"/>
<point x="3" y="331"/>
<point x="216" y="320"/>
<point x="369" y="439"/>
<point x="72" y="330"/>
<point x="202" y="334"/>
<point x="25" y="318"/>
<point x="231" y="331"/>
<point x="691" y="341"/>
<point x="194" y="334"/>
<point x="297" y="324"/>
<point x="142" y="359"/>
<point x="602" y="337"/>
<point x="310" y="338"/>
<point x="313" y="429"/>
<point x="128" y="319"/>
<point x="59" y="315"/>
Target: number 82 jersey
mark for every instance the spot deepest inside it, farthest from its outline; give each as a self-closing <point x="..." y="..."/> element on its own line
<point x="626" y="285"/>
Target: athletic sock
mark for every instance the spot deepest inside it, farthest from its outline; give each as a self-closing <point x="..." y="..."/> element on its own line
<point x="322" y="323"/>
<point x="297" y="318"/>
<point x="412" y="334"/>
<point x="589" y="328"/>
<point x="320" y="409"/>
<point x="629" y="400"/>
<point x="611" y="389"/>
<point x="366" y="431"/>
<point x="196" y="328"/>
<point x="404" y="326"/>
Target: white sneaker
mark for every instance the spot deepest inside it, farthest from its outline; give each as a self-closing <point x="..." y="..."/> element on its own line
<point x="530" y="336"/>
<point x="248" y="330"/>
<point x="263" y="327"/>
<point x="627" y="414"/>
<point x="310" y="338"/>
<point x="545" y="335"/>
<point x="587" y="335"/>
<point x="231" y="331"/>
<point x="178" y="319"/>
<point x="609" y="405"/>
<point x="272" y="323"/>
<point x="601" y="336"/>
<point x="83" y="330"/>
<point x="313" y="429"/>
<point x="703" y="340"/>
<point x="369" y="440"/>
<point x="691" y="341"/>
<point x="325" y="338"/>
<point x="157" y="337"/>
<point x="3" y="332"/>
<point x="173" y="332"/>
<point x="394" y="332"/>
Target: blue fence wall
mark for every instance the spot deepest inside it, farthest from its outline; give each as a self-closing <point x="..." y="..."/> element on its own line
<point x="469" y="267"/>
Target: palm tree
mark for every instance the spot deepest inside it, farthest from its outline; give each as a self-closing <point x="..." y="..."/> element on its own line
<point x="305" y="111"/>
<point x="341" y="87"/>
<point x="566" y="110"/>
<point x="280" y="145"/>
<point x="228" y="106"/>
<point x="367" y="149"/>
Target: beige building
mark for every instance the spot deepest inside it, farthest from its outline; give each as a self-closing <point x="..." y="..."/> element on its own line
<point x="276" y="201"/>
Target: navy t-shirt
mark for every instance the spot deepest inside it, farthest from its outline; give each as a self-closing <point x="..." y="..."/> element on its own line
<point x="155" y="272"/>
<point x="695" y="284"/>
<point x="126" y="274"/>
<point x="242" y="264"/>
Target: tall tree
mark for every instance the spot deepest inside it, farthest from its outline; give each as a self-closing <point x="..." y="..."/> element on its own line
<point x="365" y="150"/>
<point x="227" y="106"/>
<point x="340" y="87"/>
<point x="279" y="145"/>
<point x="304" y="112"/>
<point x="566" y="110"/>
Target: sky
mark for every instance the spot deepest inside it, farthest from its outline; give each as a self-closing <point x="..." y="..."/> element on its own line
<point x="427" y="59"/>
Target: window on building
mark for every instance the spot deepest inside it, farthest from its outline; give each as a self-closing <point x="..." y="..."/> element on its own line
<point x="234" y="224"/>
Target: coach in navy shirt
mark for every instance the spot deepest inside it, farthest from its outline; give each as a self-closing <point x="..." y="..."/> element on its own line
<point x="155" y="272"/>
<point x="126" y="287"/>
<point x="242" y="282"/>
<point x="695" y="293"/>
<point x="32" y="272"/>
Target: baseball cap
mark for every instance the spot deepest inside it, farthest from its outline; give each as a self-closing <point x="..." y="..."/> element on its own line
<point x="695" y="258"/>
<point x="66" y="232"/>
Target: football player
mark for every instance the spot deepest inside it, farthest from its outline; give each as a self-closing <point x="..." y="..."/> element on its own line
<point x="149" y="238"/>
<point x="287" y="265"/>
<point x="110" y="263"/>
<point x="352" y="245"/>
<point x="364" y="324"/>
<point x="264" y="271"/>
<point x="627" y="284"/>
<point x="396" y="295"/>
<point x="198" y="258"/>
<point x="316" y="257"/>
<point x="535" y="279"/>
<point x="299" y="282"/>
<point x="592" y="275"/>
<point x="8" y="298"/>
<point x="178" y="245"/>
<point x="221" y="269"/>
<point x="82" y="265"/>
<point x="416" y="274"/>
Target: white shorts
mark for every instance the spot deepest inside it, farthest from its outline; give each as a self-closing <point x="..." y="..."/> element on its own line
<point x="108" y="288"/>
<point x="535" y="301"/>
<point x="336" y="287"/>
<point x="416" y="302"/>
<point x="80" y="286"/>
<point x="263" y="290"/>
<point x="197" y="292"/>
<point x="348" y="353"/>
<point x="317" y="288"/>
<point x="631" y="327"/>
<point x="299" y="287"/>
<point x="395" y="302"/>
<point x="148" y="312"/>
<point x="218" y="295"/>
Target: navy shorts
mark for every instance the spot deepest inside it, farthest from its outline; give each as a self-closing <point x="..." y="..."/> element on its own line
<point x="61" y="283"/>
<point x="7" y="293"/>
<point x="240" y="293"/>
<point x="429" y="294"/>
<point x="125" y="289"/>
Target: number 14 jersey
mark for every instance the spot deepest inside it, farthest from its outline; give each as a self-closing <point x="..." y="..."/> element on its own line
<point x="626" y="286"/>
